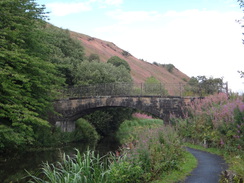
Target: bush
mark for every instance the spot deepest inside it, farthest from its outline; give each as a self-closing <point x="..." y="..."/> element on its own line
<point x="116" y="61"/>
<point x="85" y="131"/>
<point x="107" y="121"/>
<point x="122" y="171"/>
<point x="153" y="147"/>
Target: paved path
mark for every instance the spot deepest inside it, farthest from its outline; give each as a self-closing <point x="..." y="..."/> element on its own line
<point x="209" y="167"/>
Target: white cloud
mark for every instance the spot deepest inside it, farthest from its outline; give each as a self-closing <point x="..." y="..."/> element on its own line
<point x="113" y="2"/>
<point x="62" y="9"/>
<point x="129" y="17"/>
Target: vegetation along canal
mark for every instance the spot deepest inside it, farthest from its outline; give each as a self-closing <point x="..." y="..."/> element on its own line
<point x="13" y="168"/>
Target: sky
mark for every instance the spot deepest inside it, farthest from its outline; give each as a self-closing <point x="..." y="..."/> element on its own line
<point x="199" y="37"/>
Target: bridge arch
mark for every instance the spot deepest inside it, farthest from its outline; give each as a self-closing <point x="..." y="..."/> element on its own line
<point x="72" y="109"/>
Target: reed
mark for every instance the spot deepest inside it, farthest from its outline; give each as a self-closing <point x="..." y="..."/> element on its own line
<point x="86" y="168"/>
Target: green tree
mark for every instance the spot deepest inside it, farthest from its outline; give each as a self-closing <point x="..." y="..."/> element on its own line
<point x="27" y="82"/>
<point x="94" y="57"/>
<point x="116" y="61"/>
<point x="153" y="86"/>
<point x="201" y="85"/>
<point x="94" y="72"/>
<point x="107" y="121"/>
<point x="169" y="67"/>
<point x="61" y="50"/>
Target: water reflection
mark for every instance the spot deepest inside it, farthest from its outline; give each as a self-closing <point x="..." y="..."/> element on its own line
<point x="14" y="168"/>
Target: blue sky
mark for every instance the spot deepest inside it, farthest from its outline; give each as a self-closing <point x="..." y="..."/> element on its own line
<point x="200" y="37"/>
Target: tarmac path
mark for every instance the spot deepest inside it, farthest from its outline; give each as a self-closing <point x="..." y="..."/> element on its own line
<point x="208" y="169"/>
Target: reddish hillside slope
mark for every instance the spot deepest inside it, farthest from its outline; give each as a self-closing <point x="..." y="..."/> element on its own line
<point x="140" y="70"/>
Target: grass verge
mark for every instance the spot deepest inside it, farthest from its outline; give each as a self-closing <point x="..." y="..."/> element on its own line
<point x="186" y="168"/>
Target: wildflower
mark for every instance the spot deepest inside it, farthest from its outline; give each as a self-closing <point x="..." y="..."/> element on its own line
<point x="221" y="142"/>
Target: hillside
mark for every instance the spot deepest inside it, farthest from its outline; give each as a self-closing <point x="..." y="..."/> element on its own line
<point x="140" y="70"/>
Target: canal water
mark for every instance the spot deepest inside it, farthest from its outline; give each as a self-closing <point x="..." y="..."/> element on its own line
<point x="13" y="168"/>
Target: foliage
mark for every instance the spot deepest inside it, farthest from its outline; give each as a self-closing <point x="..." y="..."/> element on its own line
<point x="93" y="73"/>
<point x="203" y="86"/>
<point x="126" y="53"/>
<point x="169" y="67"/>
<point x="61" y="50"/>
<point x="122" y="171"/>
<point x="27" y="81"/>
<point x="156" y="151"/>
<point x="107" y="121"/>
<point x="216" y="121"/>
<point x="94" y="57"/>
<point x="186" y="166"/>
<point x="85" y="132"/>
<point x="153" y="86"/>
<point x="116" y="61"/>
<point x="88" y="167"/>
<point x="129" y="129"/>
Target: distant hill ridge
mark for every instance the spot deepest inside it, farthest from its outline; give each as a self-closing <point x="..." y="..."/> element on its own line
<point x="140" y="70"/>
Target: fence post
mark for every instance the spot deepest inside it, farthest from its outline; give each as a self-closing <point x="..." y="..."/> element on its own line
<point x="180" y="90"/>
<point x="141" y="89"/>
<point x="160" y="89"/>
<point x="227" y="89"/>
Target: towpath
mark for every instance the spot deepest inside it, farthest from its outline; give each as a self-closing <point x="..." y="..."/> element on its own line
<point x="208" y="169"/>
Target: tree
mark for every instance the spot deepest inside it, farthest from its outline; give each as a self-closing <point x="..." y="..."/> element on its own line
<point x="94" y="57"/>
<point x="94" y="72"/>
<point x="27" y="82"/>
<point x="201" y="85"/>
<point x="59" y="49"/>
<point x="116" y="61"/>
<point x="169" y="67"/>
<point x="153" y="86"/>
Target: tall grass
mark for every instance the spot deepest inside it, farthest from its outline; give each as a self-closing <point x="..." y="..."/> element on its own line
<point x="86" y="168"/>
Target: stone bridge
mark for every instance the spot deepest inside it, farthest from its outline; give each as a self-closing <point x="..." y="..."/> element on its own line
<point x="73" y="109"/>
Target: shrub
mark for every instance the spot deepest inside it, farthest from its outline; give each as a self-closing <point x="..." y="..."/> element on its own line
<point x="155" y="149"/>
<point x="116" y="61"/>
<point x="122" y="171"/>
<point x="85" y="131"/>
